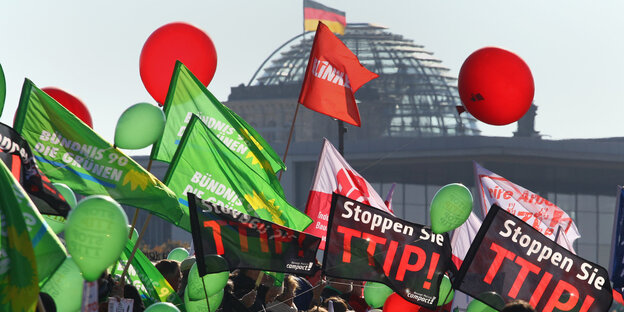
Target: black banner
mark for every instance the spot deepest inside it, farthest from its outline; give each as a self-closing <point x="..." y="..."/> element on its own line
<point x="17" y="156"/>
<point x="511" y="260"/>
<point x="365" y="243"/>
<point x="248" y="242"/>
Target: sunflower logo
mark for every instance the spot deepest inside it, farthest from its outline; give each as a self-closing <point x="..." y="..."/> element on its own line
<point x="136" y="179"/>
<point x="265" y="208"/>
<point x="19" y="285"/>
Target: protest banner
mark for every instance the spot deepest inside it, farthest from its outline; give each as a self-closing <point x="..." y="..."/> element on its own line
<point x="365" y="243"/>
<point x="510" y="260"/>
<point x="18" y="157"/>
<point x="247" y="242"/>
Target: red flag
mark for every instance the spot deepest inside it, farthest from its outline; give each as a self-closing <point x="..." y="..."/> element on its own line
<point x="334" y="174"/>
<point x="333" y="75"/>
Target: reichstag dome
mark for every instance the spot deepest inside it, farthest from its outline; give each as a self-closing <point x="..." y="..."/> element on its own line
<point x="414" y="95"/>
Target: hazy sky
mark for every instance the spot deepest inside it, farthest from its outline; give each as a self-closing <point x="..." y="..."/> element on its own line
<point x="91" y="49"/>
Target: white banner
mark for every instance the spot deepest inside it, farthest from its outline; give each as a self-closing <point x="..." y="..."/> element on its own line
<point x="533" y="209"/>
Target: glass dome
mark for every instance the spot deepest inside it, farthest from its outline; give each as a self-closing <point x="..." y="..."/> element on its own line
<point x="413" y="96"/>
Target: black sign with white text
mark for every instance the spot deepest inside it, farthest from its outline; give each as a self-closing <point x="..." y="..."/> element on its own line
<point x="365" y="243"/>
<point x="510" y="260"/>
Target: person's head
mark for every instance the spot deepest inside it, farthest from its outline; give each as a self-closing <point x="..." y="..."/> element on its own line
<point x="47" y="301"/>
<point x="340" y="305"/>
<point x="273" y="293"/>
<point x="290" y="287"/>
<point x="170" y="269"/>
<point x="518" y="306"/>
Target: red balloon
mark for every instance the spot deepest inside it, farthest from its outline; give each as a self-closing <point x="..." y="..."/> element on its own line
<point x="496" y="86"/>
<point x="396" y="303"/>
<point x="72" y="103"/>
<point x="171" y="42"/>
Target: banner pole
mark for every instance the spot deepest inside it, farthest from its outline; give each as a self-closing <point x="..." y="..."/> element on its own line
<point x="136" y="246"/>
<point x="205" y="293"/>
<point x="292" y="128"/>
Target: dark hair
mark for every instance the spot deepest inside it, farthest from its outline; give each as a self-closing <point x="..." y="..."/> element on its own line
<point x="518" y="306"/>
<point x="167" y="267"/>
<point x="48" y="302"/>
<point x="340" y="305"/>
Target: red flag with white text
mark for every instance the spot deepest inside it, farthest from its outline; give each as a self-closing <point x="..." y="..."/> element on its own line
<point x="334" y="174"/>
<point x="333" y="75"/>
<point x="533" y="209"/>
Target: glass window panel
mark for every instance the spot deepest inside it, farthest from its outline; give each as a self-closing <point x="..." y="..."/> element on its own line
<point x="414" y="194"/>
<point x="586" y="224"/>
<point x="606" y="203"/>
<point x="415" y="213"/>
<point x="604" y="254"/>
<point x="587" y="251"/>
<point x="586" y="202"/>
<point x="605" y="227"/>
<point x="565" y="201"/>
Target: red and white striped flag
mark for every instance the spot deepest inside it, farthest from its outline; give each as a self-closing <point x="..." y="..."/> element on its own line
<point x="334" y="174"/>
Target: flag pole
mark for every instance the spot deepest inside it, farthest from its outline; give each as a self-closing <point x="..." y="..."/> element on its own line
<point x="341" y="131"/>
<point x="205" y="293"/>
<point x="292" y="128"/>
<point x="136" y="246"/>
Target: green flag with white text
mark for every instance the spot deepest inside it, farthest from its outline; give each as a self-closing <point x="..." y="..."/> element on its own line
<point x="206" y="167"/>
<point x="143" y="275"/>
<point x="70" y="152"/>
<point x="19" y="289"/>
<point x="188" y="96"/>
<point x="49" y="251"/>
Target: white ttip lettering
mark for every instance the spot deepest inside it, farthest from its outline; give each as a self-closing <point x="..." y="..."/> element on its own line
<point x="376" y="221"/>
<point x="324" y="70"/>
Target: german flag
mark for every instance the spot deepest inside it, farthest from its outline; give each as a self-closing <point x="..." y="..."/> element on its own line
<point x="314" y="12"/>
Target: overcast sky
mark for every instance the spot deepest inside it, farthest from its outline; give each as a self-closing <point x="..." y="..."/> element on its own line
<point x="91" y="49"/>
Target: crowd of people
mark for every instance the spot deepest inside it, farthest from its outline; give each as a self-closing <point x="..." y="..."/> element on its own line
<point x="253" y="290"/>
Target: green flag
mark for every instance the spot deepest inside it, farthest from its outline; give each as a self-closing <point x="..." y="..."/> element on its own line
<point x="152" y="286"/>
<point x="70" y="152"/>
<point x="19" y="290"/>
<point x="188" y="96"/>
<point x="49" y="251"/>
<point x="205" y="166"/>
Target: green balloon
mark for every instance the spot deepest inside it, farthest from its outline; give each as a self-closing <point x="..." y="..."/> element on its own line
<point x="65" y="286"/>
<point x="178" y="254"/>
<point x="162" y="307"/>
<point x="214" y="283"/>
<point x="67" y="194"/>
<point x="492" y="298"/>
<point x="446" y="291"/>
<point x="95" y="234"/>
<point x="57" y="223"/>
<point x="2" y="89"/>
<point x="200" y="305"/>
<point x="478" y="306"/>
<point x="450" y="208"/>
<point x="376" y="294"/>
<point x="139" y="126"/>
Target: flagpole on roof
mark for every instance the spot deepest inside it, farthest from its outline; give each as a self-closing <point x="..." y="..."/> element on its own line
<point x="292" y="125"/>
